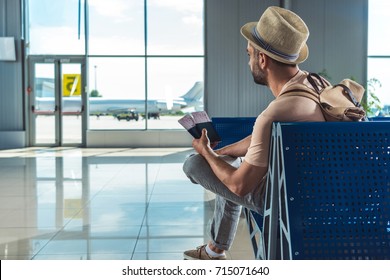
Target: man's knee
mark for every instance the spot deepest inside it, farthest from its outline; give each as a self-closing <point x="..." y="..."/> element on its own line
<point x="192" y="164"/>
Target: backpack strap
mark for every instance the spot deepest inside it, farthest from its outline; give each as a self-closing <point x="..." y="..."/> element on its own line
<point x="317" y="82"/>
<point x="351" y="96"/>
<point x="301" y="90"/>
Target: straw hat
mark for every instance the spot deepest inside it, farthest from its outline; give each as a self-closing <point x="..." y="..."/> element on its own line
<point x="280" y="34"/>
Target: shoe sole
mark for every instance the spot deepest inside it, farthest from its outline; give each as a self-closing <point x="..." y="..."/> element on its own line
<point x="189" y="258"/>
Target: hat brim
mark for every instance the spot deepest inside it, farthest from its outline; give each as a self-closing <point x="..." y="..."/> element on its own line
<point x="246" y="31"/>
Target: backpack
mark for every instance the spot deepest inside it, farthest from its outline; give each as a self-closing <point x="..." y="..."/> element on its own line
<point x="339" y="102"/>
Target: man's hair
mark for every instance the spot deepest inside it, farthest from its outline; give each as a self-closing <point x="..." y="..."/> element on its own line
<point x="257" y="53"/>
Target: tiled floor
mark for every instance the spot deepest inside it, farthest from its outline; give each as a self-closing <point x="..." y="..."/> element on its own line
<point x="112" y="204"/>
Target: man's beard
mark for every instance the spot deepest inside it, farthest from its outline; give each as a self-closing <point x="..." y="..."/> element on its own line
<point x="259" y="76"/>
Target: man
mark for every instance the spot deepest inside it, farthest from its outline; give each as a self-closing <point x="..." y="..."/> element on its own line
<point x="276" y="45"/>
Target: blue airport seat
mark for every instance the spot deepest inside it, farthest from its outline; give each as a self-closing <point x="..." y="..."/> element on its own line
<point x="232" y="130"/>
<point x="255" y="225"/>
<point x="333" y="188"/>
<point x="379" y="119"/>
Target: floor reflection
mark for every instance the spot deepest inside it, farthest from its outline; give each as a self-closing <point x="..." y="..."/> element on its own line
<point x="71" y="203"/>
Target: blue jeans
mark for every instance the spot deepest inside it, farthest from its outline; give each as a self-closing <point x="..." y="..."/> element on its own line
<point x="227" y="204"/>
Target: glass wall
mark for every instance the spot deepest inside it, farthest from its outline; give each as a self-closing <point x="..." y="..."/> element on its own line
<point x="378" y="58"/>
<point x="145" y="57"/>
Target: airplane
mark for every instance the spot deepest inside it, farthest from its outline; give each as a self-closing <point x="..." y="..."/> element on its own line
<point x="104" y="106"/>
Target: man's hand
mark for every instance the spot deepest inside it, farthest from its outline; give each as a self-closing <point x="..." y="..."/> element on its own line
<point x="202" y="145"/>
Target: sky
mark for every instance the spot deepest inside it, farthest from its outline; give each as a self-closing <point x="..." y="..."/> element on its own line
<point x="174" y="28"/>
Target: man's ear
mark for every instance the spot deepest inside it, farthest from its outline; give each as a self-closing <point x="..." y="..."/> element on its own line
<point x="263" y="60"/>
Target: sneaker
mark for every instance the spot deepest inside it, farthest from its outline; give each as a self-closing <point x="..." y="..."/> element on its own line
<point x="200" y="254"/>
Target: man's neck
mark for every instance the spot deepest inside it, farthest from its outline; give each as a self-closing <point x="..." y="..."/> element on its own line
<point x="280" y="78"/>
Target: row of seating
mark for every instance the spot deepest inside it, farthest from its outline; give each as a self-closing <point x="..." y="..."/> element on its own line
<point x="328" y="190"/>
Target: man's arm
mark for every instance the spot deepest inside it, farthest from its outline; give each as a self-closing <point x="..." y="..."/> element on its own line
<point x="240" y="180"/>
<point x="237" y="149"/>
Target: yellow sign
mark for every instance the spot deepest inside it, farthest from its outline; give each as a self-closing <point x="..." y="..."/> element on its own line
<point x="71" y="85"/>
